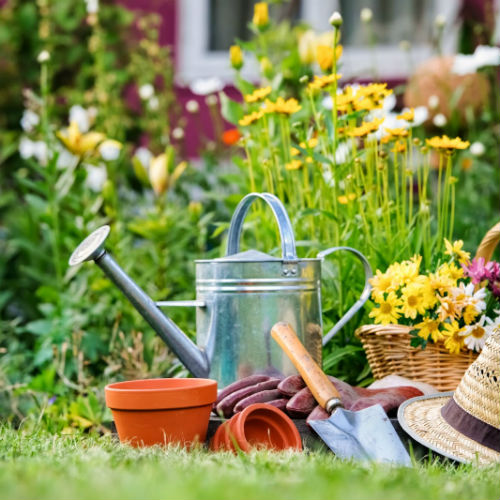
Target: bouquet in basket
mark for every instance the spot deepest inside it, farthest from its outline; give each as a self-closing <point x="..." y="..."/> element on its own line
<point x="455" y="305"/>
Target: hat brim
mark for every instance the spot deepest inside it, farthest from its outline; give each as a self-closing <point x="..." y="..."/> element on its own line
<point x="421" y="418"/>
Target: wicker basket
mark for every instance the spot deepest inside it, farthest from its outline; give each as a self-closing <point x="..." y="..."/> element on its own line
<point x="389" y="351"/>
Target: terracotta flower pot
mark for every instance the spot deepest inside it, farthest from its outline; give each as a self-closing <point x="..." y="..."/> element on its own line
<point x="258" y="425"/>
<point x="161" y="411"/>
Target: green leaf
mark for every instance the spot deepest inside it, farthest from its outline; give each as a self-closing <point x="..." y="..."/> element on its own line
<point x="40" y="326"/>
<point x="230" y="110"/>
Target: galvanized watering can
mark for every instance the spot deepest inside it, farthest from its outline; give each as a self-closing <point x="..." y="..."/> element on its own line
<point x="239" y="298"/>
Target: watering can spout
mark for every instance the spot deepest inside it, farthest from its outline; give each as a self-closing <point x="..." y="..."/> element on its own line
<point x="194" y="359"/>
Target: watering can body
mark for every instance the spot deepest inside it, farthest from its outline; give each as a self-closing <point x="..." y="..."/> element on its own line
<point x="239" y="298"/>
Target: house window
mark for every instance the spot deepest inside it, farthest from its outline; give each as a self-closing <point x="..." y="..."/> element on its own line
<point x="207" y="28"/>
<point x="229" y="20"/>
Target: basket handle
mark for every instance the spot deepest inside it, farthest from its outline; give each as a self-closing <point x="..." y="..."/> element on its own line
<point x="489" y="243"/>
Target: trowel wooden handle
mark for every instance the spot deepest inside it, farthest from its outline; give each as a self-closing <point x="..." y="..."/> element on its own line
<point x="323" y="390"/>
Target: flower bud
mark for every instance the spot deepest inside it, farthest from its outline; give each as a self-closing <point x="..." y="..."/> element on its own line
<point x="43" y="57"/>
<point x="440" y="21"/>
<point x="266" y="67"/>
<point x="192" y="106"/>
<point x="261" y="15"/>
<point x="236" y="57"/>
<point x="335" y="20"/>
<point x="366" y="15"/>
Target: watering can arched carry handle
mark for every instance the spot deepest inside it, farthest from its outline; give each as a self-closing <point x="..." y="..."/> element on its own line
<point x="365" y="294"/>
<point x="285" y="226"/>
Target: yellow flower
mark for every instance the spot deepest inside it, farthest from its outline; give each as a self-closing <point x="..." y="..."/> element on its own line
<point x="346" y="100"/>
<point x="321" y="82"/>
<point x="409" y="115"/>
<point x="429" y="327"/>
<point x="250" y="118"/>
<point x="258" y="94"/>
<point x="287" y="107"/>
<point x="399" y="147"/>
<point x="413" y="300"/>
<point x="236" y="56"/>
<point x="344" y="200"/>
<point x="451" y="271"/>
<point x="371" y="96"/>
<point x="397" y="132"/>
<point x="77" y="143"/>
<point x="159" y="171"/>
<point x="260" y="14"/>
<point x="365" y="128"/>
<point x="388" y="310"/>
<point x="324" y="56"/>
<point x="266" y="67"/>
<point x="455" y="250"/>
<point x="445" y="142"/>
<point x="450" y="307"/>
<point x="470" y="314"/>
<point x="453" y="340"/>
<point x="312" y="142"/>
<point x="294" y="151"/>
<point x="382" y="283"/>
<point x="293" y="165"/>
<point x="307" y="47"/>
<point x="407" y="271"/>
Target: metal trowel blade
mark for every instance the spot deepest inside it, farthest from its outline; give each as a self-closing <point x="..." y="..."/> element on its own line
<point x="362" y="435"/>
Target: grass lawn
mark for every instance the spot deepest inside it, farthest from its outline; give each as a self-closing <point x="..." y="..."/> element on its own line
<point x="45" y="466"/>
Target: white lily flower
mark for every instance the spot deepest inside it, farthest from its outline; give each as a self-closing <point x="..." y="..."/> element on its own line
<point x="110" y="149"/>
<point x="29" y="120"/>
<point x="96" y="177"/>
<point x="81" y="116"/>
<point x="33" y="149"/>
<point x="206" y="86"/>
<point x="66" y="159"/>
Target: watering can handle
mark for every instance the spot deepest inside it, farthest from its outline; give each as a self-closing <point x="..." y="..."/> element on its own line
<point x="285" y="226"/>
<point x="363" y="297"/>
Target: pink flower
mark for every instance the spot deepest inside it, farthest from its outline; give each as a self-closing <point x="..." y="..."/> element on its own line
<point x="493" y="276"/>
<point x="475" y="270"/>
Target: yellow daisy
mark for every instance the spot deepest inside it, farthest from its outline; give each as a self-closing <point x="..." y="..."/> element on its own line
<point x="258" y="94"/>
<point x="445" y="142"/>
<point x="453" y="341"/>
<point x="382" y="283"/>
<point x="283" y="106"/>
<point x="320" y="82"/>
<point x="388" y="311"/>
<point x="429" y="328"/>
<point x="251" y="118"/>
<point x="413" y="301"/>
<point x="455" y="250"/>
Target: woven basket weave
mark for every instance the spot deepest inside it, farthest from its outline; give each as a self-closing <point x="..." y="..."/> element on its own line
<point x="389" y="351"/>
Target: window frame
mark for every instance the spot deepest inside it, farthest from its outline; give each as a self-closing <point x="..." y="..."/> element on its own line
<point x="195" y="61"/>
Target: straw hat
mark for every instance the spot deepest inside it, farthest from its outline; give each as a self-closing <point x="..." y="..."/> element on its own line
<point x="464" y="425"/>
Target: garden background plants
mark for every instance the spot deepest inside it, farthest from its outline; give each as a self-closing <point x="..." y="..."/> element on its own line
<point x="92" y="134"/>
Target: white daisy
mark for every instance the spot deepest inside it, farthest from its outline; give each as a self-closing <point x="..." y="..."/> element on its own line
<point x="476" y="335"/>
